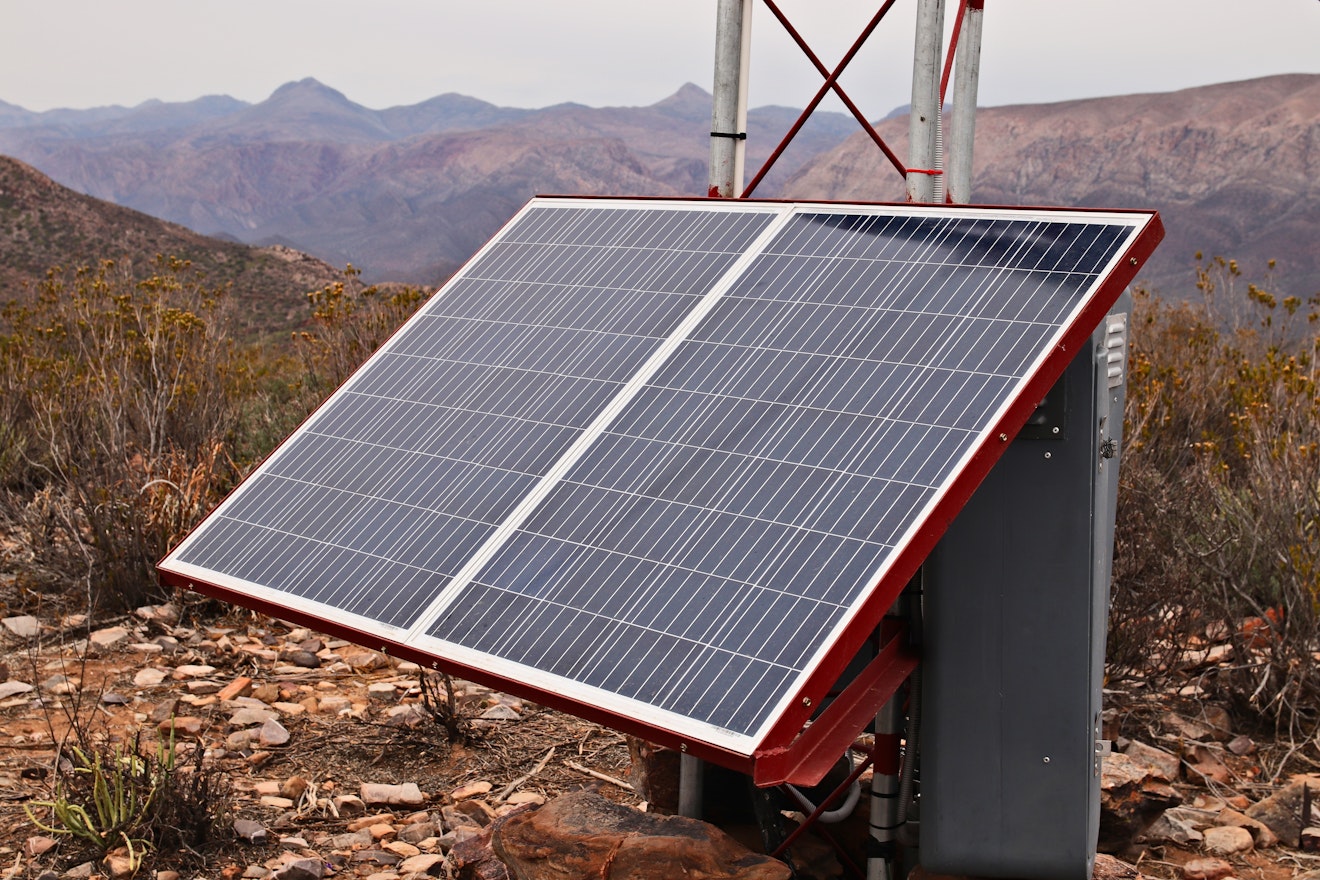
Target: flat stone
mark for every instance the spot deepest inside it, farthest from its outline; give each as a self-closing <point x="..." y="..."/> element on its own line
<point x="382" y="831"/>
<point x="240" y="739"/>
<point x="1227" y="840"/>
<point x="500" y="712"/>
<point x="364" y="822"/>
<point x="405" y="795"/>
<point x="333" y="704"/>
<point x="187" y="725"/>
<point x="303" y="659"/>
<point x="407" y="715"/>
<point x="60" y="685"/>
<point x="249" y="717"/>
<point x="1166" y="766"/>
<point x="352" y="840"/>
<point x="1171" y="829"/>
<point x="427" y="863"/>
<point x="349" y="804"/>
<point x="1241" y="745"/>
<point x="239" y="687"/>
<point x="299" y="869"/>
<point x="39" y="845"/>
<point x="272" y="733"/>
<point x="471" y="789"/>
<point x="253" y="832"/>
<point x="401" y="849"/>
<point x="24" y="626"/>
<point x="13" y="688"/>
<point x="381" y="690"/>
<point x="192" y="671"/>
<point x="1206" y="869"/>
<point x="279" y="803"/>
<point x="108" y="639"/>
<point x="1261" y="834"/>
<point x="418" y="832"/>
<point x="1280" y="811"/>
<point x="148" y="677"/>
<point x="375" y="857"/>
<point x="294" y="843"/>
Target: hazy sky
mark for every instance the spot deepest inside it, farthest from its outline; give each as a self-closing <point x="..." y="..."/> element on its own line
<point x="531" y="53"/>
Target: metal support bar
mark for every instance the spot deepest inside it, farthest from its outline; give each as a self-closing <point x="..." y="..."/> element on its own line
<point x="809" y="757"/>
<point x="728" y="121"/>
<point x="824" y="805"/>
<point x="831" y="83"/>
<point x="925" y="162"/>
<point x="962" y="128"/>
<point x="953" y="50"/>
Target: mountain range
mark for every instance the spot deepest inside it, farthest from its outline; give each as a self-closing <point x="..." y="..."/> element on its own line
<point x="407" y="193"/>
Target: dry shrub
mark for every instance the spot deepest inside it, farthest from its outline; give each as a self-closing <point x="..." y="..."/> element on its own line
<point x="119" y="403"/>
<point x="1219" y="508"/>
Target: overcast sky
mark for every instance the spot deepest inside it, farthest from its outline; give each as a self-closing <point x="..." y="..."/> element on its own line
<point x="532" y="53"/>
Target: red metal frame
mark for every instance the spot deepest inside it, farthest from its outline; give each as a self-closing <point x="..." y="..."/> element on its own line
<point x="831" y="82"/>
<point x="794" y="751"/>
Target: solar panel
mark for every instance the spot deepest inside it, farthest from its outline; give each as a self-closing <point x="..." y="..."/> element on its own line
<point x="666" y="463"/>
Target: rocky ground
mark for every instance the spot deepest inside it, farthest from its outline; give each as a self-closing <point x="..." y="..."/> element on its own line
<point x="325" y="758"/>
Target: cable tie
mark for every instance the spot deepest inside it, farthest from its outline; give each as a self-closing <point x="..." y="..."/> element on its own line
<point x="737" y="136"/>
<point x="932" y="171"/>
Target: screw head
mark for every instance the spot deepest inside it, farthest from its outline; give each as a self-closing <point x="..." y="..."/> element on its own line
<point x="1003" y="438"/>
<point x="806" y="701"/>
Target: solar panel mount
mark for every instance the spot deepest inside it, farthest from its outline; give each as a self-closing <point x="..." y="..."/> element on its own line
<point x="666" y="463"/>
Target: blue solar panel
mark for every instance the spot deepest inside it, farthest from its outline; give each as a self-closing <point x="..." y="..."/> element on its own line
<point x="734" y="512"/>
<point x="654" y="456"/>
<point x="376" y="503"/>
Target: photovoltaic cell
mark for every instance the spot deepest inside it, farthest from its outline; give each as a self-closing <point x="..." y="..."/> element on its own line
<point x="735" y="511"/>
<point x="377" y="502"/>
<point x="655" y="455"/>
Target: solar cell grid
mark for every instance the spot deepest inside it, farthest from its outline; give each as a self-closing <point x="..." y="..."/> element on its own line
<point x="403" y="475"/>
<point x="656" y="456"/>
<point x="824" y="400"/>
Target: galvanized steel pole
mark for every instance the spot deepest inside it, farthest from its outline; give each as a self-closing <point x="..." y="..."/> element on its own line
<point x="728" y="122"/>
<point x="924" y="159"/>
<point x="962" y="128"/>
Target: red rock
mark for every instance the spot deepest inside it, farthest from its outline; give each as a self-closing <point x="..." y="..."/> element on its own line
<point x="185" y="725"/>
<point x="582" y="834"/>
<point x="1131" y="798"/>
<point x="239" y="687"/>
<point x="1280" y="811"/>
<point x="1206" y="869"/>
<point x="1227" y="840"/>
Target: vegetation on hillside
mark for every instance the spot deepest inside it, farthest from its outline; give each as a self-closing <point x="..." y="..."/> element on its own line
<point x="129" y="410"/>
<point x="1219" y="506"/>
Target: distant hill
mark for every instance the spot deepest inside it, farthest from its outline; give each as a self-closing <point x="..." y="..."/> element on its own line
<point x="1234" y="169"/>
<point x="405" y="193"/>
<point x="43" y="224"/>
